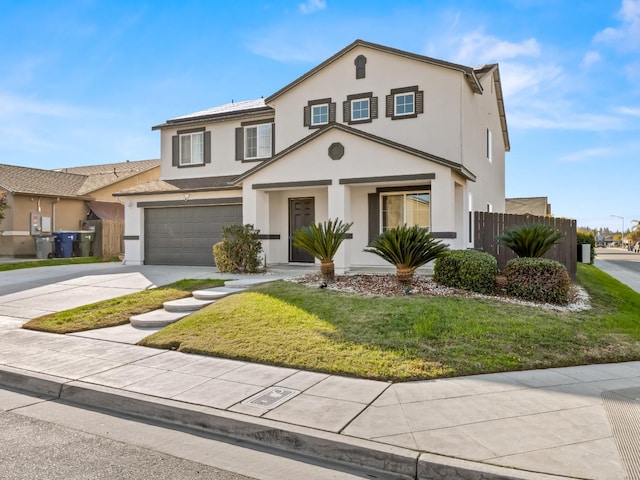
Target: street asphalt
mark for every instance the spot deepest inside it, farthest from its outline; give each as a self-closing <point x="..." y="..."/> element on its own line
<point x="576" y="422"/>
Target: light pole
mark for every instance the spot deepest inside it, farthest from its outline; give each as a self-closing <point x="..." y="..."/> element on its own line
<point x="621" y="218"/>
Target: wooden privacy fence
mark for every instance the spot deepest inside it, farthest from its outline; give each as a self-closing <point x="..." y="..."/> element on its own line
<point x="488" y="226"/>
<point x="109" y="237"/>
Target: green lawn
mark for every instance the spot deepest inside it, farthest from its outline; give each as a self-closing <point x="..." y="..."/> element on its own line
<point x="53" y="262"/>
<point x="117" y="311"/>
<point x="413" y="337"/>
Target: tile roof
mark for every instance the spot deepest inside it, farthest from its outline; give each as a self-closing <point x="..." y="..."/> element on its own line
<point x="40" y="182"/>
<point x="244" y="109"/>
<point x="100" y="176"/>
<point x="226" y="108"/>
<point x="182" y="185"/>
<point x="69" y="182"/>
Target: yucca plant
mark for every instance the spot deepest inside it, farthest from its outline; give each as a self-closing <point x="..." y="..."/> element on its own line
<point x="322" y="240"/>
<point x="407" y="248"/>
<point x="530" y="240"/>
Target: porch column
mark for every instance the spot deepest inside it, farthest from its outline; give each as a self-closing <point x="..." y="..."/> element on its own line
<point x="133" y="233"/>
<point x="255" y="211"/>
<point x="443" y="208"/>
<point x="339" y="206"/>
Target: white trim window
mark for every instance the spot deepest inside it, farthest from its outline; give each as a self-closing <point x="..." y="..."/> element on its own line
<point x="319" y="114"/>
<point x="405" y="208"/>
<point x="489" y="146"/>
<point x="257" y="141"/>
<point x="192" y="148"/>
<point x="360" y="109"/>
<point x="404" y="104"/>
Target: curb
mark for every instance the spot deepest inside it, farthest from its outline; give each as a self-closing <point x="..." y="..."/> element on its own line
<point x="349" y="451"/>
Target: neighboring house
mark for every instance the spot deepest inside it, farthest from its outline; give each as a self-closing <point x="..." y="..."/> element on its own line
<point x="44" y="201"/>
<point x="373" y="135"/>
<point x="538" y="206"/>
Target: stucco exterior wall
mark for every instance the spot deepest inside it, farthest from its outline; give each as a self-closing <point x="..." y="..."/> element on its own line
<point x="106" y="194"/>
<point x="223" y="156"/>
<point x="16" y="239"/>
<point x="436" y="131"/>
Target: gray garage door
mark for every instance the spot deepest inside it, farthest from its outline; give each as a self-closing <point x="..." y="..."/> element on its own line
<point x="185" y="235"/>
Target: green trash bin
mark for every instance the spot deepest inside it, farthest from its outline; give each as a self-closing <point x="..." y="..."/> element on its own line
<point x="85" y="238"/>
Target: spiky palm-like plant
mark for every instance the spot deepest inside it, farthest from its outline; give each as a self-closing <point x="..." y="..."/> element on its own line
<point x="322" y="240"/>
<point x="407" y="248"/>
<point x="530" y="240"/>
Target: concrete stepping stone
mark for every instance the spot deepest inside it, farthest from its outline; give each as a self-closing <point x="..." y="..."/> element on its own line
<point x="215" y="293"/>
<point x="157" y="318"/>
<point x="189" y="304"/>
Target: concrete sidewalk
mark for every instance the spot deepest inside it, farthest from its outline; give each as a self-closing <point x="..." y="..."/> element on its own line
<point x="578" y="422"/>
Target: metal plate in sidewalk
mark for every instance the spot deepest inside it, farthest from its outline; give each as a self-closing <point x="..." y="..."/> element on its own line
<point x="271" y="398"/>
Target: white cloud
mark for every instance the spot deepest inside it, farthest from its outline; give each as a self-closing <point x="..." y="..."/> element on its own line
<point x="634" y="112"/>
<point x="311" y="6"/>
<point x="626" y="36"/>
<point x="584" y="155"/>
<point x="591" y="58"/>
<point x="477" y="47"/>
<point x="13" y="105"/>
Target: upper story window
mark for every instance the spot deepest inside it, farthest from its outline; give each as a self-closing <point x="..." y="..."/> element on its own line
<point x="319" y="112"/>
<point x="191" y="147"/>
<point x="405" y="208"/>
<point x="360" y="108"/>
<point x="407" y="102"/>
<point x="404" y="104"/>
<point x="254" y="140"/>
<point x="257" y="143"/>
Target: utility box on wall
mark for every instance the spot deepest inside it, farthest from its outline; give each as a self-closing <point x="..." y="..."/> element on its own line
<point x="35" y="223"/>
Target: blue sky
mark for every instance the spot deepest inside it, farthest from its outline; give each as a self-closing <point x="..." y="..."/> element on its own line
<point x="82" y="82"/>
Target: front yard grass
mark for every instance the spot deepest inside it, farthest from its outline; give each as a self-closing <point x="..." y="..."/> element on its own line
<point x="413" y="337"/>
<point x="116" y="311"/>
<point x="53" y="262"/>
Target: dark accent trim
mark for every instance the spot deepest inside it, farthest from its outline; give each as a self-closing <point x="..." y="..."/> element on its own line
<point x="388" y="178"/>
<point x="418" y="102"/>
<point x="191" y="165"/>
<point x="374" y="216"/>
<point x="320" y="101"/>
<point x="456" y="167"/>
<point x="190" y="130"/>
<point x="131" y="237"/>
<point x="207" y="147"/>
<point x="192" y="203"/>
<point x="308" y="183"/>
<point x="175" y="151"/>
<point x="256" y="122"/>
<point x="268" y="236"/>
<point x="239" y="143"/>
<point x="308" y="112"/>
<point x="360" y="63"/>
<point x="346" y="108"/>
<point x="404" y="188"/>
<point x="336" y="151"/>
<point x="468" y="72"/>
<point x="348" y="236"/>
<point x="444" y="234"/>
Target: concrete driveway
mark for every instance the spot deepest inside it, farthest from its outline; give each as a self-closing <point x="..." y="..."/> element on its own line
<point x="32" y="292"/>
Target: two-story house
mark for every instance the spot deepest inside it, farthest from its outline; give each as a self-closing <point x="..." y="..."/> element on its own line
<point x="373" y="135"/>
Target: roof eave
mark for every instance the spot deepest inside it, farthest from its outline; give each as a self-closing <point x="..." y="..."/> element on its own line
<point x="218" y="117"/>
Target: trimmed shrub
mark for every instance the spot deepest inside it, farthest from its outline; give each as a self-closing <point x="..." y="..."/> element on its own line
<point x="586" y="237"/>
<point x="467" y="269"/>
<point x="407" y="248"/>
<point x="538" y="280"/>
<point x="530" y="240"/>
<point x="239" y="251"/>
<point x="223" y="262"/>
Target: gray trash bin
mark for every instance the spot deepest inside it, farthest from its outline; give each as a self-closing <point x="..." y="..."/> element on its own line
<point x="44" y="246"/>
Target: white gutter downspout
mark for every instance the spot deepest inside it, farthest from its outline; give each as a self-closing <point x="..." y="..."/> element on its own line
<point x="53" y="214"/>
